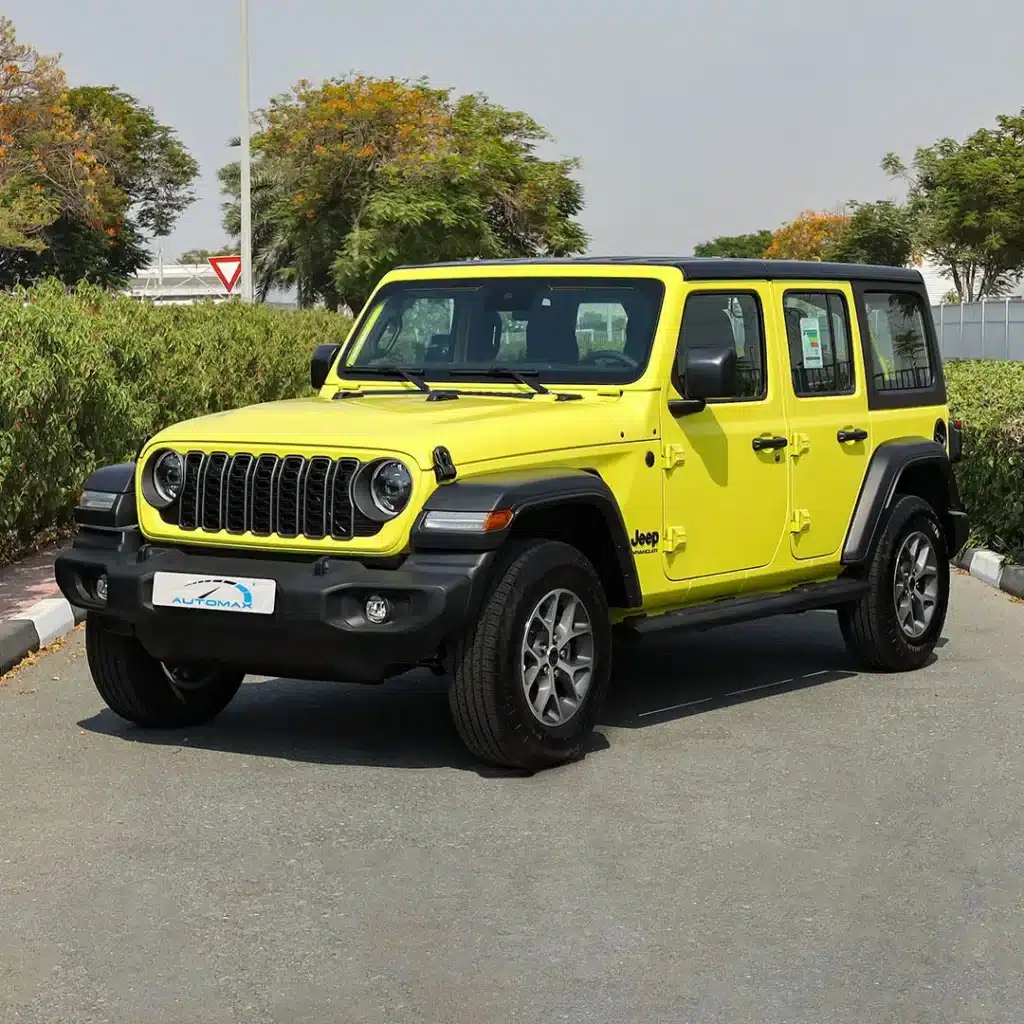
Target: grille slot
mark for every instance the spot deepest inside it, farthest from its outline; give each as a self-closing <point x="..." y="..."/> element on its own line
<point x="289" y="486"/>
<point x="270" y="496"/>
<point x="316" y="498"/>
<point x="213" y="491"/>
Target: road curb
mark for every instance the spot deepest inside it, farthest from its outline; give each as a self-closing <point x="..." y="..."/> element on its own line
<point x="992" y="569"/>
<point x="36" y="627"/>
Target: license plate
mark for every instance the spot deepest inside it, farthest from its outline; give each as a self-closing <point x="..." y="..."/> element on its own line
<point x="214" y="593"/>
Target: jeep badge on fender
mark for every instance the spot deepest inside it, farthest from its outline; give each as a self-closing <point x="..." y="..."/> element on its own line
<point x="456" y="493"/>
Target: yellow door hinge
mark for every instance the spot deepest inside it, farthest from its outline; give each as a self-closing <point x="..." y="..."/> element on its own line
<point x="672" y="455"/>
<point x="675" y="538"/>
<point x="800" y="445"/>
<point x="801" y="521"/>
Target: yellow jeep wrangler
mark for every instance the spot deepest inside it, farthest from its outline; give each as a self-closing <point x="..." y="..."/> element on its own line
<point x="508" y="461"/>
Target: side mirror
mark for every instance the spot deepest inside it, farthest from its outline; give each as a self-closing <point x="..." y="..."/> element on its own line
<point x="706" y="373"/>
<point x="320" y="365"/>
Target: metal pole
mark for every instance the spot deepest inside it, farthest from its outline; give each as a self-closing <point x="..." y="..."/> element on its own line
<point x="246" y="191"/>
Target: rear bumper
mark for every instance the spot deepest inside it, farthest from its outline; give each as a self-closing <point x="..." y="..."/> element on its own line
<point x="318" y="629"/>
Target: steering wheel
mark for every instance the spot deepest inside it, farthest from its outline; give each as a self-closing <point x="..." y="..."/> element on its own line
<point x="602" y="355"/>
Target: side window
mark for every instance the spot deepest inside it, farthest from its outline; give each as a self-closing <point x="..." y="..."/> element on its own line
<point x="898" y="347"/>
<point x="600" y="327"/>
<point x="719" y="319"/>
<point x="818" y="336"/>
<point x="422" y="333"/>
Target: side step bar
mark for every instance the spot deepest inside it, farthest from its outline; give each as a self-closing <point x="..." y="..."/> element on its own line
<point x="730" y="610"/>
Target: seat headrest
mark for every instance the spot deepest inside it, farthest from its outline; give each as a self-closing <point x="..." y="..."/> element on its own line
<point x="706" y="324"/>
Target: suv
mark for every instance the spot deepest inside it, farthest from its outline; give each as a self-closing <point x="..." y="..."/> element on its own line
<point x="506" y="462"/>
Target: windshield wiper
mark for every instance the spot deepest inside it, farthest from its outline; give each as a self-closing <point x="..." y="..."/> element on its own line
<point x="522" y="376"/>
<point x="391" y="370"/>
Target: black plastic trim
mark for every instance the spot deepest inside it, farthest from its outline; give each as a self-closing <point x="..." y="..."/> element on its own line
<point x="318" y="629"/>
<point x="520" y="491"/>
<point x="731" y="610"/>
<point x="889" y="462"/>
<point x="697" y="268"/>
<point x="118" y="479"/>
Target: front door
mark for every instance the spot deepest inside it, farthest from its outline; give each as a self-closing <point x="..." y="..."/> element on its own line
<point x="830" y="440"/>
<point x="725" y="469"/>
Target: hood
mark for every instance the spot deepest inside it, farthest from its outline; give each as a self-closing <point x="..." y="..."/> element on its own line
<point x="472" y="428"/>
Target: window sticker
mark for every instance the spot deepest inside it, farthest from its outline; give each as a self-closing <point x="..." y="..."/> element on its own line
<point x="810" y="336"/>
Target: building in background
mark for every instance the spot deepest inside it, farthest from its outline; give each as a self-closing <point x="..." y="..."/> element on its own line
<point x="182" y="284"/>
<point x="939" y="286"/>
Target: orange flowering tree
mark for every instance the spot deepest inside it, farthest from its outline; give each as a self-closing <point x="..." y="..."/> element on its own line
<point x="807" y="237"/>
<point x="85" y="174"/>
<point x="356" y="175"/>
<point x="46" y="165"/>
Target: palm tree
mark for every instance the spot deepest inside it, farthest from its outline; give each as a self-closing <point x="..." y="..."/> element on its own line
<point x="286" y="252"/>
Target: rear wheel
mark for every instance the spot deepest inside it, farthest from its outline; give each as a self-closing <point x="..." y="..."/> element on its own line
<point x="895" y="626"/>
<point x="145" y="691"/>
<point x="530" y="675"/>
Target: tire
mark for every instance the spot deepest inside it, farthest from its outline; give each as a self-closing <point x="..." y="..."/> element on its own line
<point x="493" y="713"/>
<point x="878" y="636"/>
<point x="141" y="690"/>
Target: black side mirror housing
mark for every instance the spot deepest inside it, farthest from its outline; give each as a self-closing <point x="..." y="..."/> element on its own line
<point x="320" y="365"/>
<point x="706" y="373"/>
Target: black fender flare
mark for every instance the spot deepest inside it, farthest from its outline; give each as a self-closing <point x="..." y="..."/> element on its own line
<point x="117" y="480"/>
<point x="890" y="463"/>
<point x="522" y="491"/>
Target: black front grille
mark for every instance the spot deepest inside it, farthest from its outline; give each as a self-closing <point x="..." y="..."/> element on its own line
<point x="266" y="495"/>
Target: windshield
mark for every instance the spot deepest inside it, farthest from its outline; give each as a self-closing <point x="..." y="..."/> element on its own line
<point x="572" y="330"/>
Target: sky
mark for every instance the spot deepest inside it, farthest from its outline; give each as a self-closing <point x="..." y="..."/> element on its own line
<point x="691" y="119"/>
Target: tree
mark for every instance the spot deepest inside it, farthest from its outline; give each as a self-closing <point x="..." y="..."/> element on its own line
<point x="752" y="246"/>
<point x="967" y="203"/>
<point x="880" y="233"/>
<point x="86" y="174"/>
<point x="47" y="165"/>
<point x="807" y="237"/>
<point x="357" y="175"/>
<point x="203" y="255"/>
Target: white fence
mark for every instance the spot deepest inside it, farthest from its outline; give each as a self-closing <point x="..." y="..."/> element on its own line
<point x="992" y="329"/>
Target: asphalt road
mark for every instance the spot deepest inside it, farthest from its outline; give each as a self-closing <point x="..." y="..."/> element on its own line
<point x="759" y="834"/>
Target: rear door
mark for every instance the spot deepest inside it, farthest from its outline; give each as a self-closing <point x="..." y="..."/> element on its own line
<point x="826" y="400"/>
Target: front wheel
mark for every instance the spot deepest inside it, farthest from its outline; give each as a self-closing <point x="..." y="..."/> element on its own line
<point x="896" y="625"/>
<point x="145" y="691"/>
<point x="530" y="675"/>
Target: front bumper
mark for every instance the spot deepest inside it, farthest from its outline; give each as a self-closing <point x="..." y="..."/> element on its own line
<point x="318" y="629"/>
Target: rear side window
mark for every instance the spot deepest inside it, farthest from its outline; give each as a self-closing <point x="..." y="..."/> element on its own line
<point x="898" y="343"/>
<point x="818" y="333"/>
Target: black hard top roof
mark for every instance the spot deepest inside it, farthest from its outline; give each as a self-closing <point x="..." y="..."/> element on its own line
<point x="696" y="268"/>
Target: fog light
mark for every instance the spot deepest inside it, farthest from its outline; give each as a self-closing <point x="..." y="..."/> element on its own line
<point x="101" y="589"/>
<point x="378" y="609"/>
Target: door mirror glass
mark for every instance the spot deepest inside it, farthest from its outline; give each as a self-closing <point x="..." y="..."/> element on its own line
<point x="709" y="372"/>
<point x="320" y="365"/>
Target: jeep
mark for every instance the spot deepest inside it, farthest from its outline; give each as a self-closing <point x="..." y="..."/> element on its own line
<point x="508" y="463"/>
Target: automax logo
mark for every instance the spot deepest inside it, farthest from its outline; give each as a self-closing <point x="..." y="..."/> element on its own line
<point x="228" y="595"/>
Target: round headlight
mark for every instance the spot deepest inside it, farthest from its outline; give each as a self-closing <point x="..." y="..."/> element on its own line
<point x="391" y="487"/>
<point x="168" y="475"/>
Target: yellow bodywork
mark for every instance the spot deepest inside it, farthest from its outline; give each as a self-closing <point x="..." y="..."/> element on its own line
<point x="730" y="520"/>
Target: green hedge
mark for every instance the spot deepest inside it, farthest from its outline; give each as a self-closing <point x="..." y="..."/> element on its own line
<point x="86" y="377"/>
<point x="989" y="397"/>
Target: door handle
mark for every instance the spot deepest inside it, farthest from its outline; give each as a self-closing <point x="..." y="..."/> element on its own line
<point x="851" y="435"/>
<point x="761" y="444"/>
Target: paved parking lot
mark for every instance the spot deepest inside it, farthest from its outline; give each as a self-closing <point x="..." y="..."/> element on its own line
<point x="759" y="834"/>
